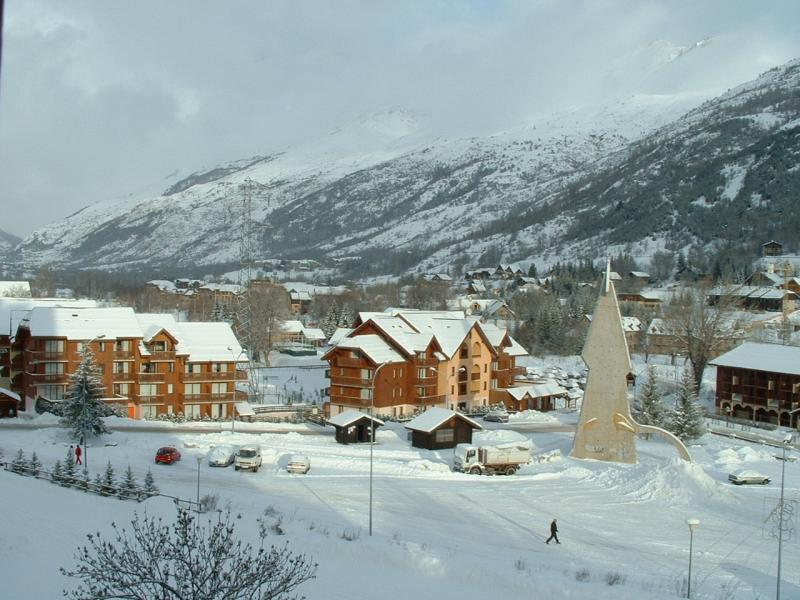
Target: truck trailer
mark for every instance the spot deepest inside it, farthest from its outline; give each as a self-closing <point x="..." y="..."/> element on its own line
<point x="490" y="460"/>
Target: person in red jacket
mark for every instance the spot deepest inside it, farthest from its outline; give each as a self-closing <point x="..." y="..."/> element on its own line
<point x="78" y="455"/>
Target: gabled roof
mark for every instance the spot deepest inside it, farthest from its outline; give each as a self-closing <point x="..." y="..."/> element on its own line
<point x="372" y="346"/>
<point x="15" y="310"/>
<point x="773" y="358"/>
<point x="434" y="417"/>
<point x="340" y="333"/>
<point x="537" y="390"/>
<point x="84" y="324"/>
<point x="351" y="416"/>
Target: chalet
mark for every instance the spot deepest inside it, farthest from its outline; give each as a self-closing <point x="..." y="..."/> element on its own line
<point x="752" y="297"/>
<point x="638" y="278"/>
<point x="406" y="361"/>
<point x="476" y="286"/>
<point x="480" y="274"/>
<point x="772" y="248"/>
<point x="295" y="334"/>
<point x="354" y="427"/>
<point x="439" y="428"/>
<point x="760" y="382"/>
<point x="536" y="396"/>
<point x="9" y="403"/>
<point x="661" y="338"/>
<point x="299" y="302"/>
<point x="442" y="277"/>
<point x="633" y="328"/>
<point x="149" y="364"/>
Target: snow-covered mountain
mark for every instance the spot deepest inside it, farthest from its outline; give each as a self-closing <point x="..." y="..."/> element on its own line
<point x="391" y="190"/>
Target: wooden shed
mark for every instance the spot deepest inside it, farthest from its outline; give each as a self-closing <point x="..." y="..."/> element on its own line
<point x="9" y="403"/>
<point x="439" y="428"/>
<point x="353" y="427"/>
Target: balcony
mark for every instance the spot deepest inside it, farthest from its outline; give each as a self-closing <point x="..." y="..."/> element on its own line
<point x="122" y="376"/>
<point x="227" y="397"/>
<point x="431" y="399"/>
<point x="123" y="355"/>
<point x="428" y="377"/>
<point x="42" y="356"/>
<point x="147" y="377"/>
<point x="49" y="377"/>
<point x="425" y="362"/>
<point x="346" y="361"/>
<point x="237" y="375"/>
<point x="352" y="381"/>
<point x="520" y="371"/>
<point x="161" y="355"/>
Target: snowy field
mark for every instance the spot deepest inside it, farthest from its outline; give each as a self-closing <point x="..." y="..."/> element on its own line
<point x="436" y="533"/>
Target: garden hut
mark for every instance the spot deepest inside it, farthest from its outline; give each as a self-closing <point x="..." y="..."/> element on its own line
<point x="353" y="427"/>
<point x="9" y="403"/>
<point x="439" y="428"/>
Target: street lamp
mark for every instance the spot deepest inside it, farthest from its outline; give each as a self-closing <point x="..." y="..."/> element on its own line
<point x="199" y="460"/>
<point x="84" y="437"/>
<point x="693" y="524"/>
<point x="372" y="433"/>
<point x="788" y="438"/>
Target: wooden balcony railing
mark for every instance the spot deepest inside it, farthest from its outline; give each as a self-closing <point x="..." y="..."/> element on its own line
<point x="351" y="381"/>
<point x="227" y="397"/>
<point x="346" y="361"/>
<point x="42" y="356"/>
<point x="157" y="377"/>
<point x="162" y="355"/>
<point x="123" y="355"/>
<point x="238" y="375"/>
<point x="49" y="377"/>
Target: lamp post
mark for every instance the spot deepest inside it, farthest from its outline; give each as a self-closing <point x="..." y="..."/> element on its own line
<point x="84" y="437"/>
<point x="693" y="524"/>
<point x="786" y="441"/>
<point x="199" y="460"/>
<point x="372" y="434"/>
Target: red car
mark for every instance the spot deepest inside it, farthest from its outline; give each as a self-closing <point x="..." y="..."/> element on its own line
<point x="167" y="455"/>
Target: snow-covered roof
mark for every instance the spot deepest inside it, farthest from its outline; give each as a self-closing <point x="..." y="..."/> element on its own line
<point x="640" y="274"/>
<point x="749" y="291"/>
<point x="434" y="417"/>
<point x="227" y="288"/>
<point x="84" y="323"/>
<point x="15" y="289"/>
<point x="163" y="285"/>
<point x="292" y="327"/>
<point x="15" y="310"/>
<point x="313" y="333"/>
<point x="208" y="342"/>
<point x="351" y="416"/>
<point x="152" y="323"/>
<point x="340" y="333"/>
<point x="244" y="409"/>
<point x="773" y="358"/>
<point x="9" y="393"/>
<point x="314" y="290"/>
<point x="537" y="390"/>
<point x="516" y="348"/>
<point x="373" y="346"/>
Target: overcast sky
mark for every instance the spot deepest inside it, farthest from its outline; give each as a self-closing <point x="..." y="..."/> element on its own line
<point x="103" y="99"/>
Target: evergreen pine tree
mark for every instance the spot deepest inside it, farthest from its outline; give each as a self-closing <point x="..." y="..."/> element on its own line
<point x="69" y="467"/>
<point x="97" y="484"/>
<point x="82" y="481"/>
<point x="687" y="421"/>
<point x="83" y="404"/>
<point x="36" y="465"/>
<point x="345" y="316"/>
<point x="650" y="400"/>
<point x="150" y="487"/>
<point x="57" y="476"/>
<point x="20" y="463"/>
<point x="129" y="486"/>
<point x="109" y="480"/>
<point x="331" y="320"/>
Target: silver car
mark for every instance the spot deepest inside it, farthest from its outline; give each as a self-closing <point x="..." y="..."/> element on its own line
<point x="221" y="456"/>
<point x="748" y="477"/>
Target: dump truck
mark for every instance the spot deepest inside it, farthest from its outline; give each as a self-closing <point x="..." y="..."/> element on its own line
<point x="489" y="460"/>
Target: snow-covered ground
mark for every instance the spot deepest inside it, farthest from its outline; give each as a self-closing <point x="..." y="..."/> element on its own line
<point x="436" y="533"/>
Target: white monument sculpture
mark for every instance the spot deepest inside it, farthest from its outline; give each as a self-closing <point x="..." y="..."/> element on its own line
<point x="606" y="429"/>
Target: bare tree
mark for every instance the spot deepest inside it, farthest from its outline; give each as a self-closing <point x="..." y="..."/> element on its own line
<point x="185" y="560"/>
<point x="701" y="330"/>
<point x="269" y="309"/>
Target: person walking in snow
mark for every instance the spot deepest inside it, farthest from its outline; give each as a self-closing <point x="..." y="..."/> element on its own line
<point x="553" y="532"/>
<point x="78" y="455"/>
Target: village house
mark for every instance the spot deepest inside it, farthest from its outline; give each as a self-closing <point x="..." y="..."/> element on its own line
<point x="753" y="298"/>
<point x="150" y="364"/>
<point x="440" y="428"/>
<point x="407" y="361"/>
<point x="760" y="382"/>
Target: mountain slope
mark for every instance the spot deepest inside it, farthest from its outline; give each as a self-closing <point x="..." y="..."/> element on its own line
<point x="582" y="182"/>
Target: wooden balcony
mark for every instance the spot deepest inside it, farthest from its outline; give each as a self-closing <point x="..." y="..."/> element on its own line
<point x="42" y="356"/>
<point x="425" y="362"/>
<point x="151" y="377"/>
<point x="238" y="375"/>
<point x="520" y="371"/>
<point x="162" y="355"/>
<point x="352" y="381"/>
<point x="122" y="376"/>
<point x="123" y="355"/>
<point x="227" y="397"/>
<point x="49" y="377"/>
<point x="431" y="399"/>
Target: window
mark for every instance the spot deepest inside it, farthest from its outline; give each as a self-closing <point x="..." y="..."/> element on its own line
<point x="54" y="368"/>
<point x="771" y="384"/>
<point x="149" y="412"/>
<point x="401" y="371"/>
<point x="51" y="392"/>
<point x="160" y="346"/>
<point x="121" y="389"/>
<point x="122" y="367"/>
<point x="421" y="392"/>
<point x="191" y="411"/>
<point x="401" y="393"/>
<point x="169" y="388"/>
<point x="148" y="389"/>
<point x="366" y="373"/>
<point x="191" y="389"/>
<point x="494" y="384"/>
<point x="394" y="392"/>
<point x="170" y="367"/>
<point x="219" y="367"/>
<point x="452" y="371"/>
<point x="422" y="373"/>
<point x="452" y="390"/>
<point x="484" y="386"/>
<point x="485" y="368"/>
<point x="192" y="368"/>
<point x="219" y="411"/>
<point x="102" y="346"/>
<point x="421" y="356"/>
<point x="219" y="389"/>
<point x="735" y="380"/>
<point x="464" y="351"/>
<point x="445" y="435"/>
<point x="795" y="388"/>
<point x="366" y="393"/>
<point x="122" y="346"/>
<point x="354" y="354"/>
<point x="149" y="367"/>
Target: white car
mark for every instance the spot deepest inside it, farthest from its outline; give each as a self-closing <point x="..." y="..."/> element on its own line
<point x="248" y="457"/>
<point x="743" y="477"/>
<point x="497" y="416"/>
<point x="221" y="456"/>
<point x="299" y="463"/>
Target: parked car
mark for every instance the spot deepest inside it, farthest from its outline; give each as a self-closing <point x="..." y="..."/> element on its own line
<point x="221" y="456"/>
<point x="743" y="477"/>
<point x="497" y="416"/>
<point x="299" y="463"/>
<point x="167" y="455"/>
<point x="248" y="457"/>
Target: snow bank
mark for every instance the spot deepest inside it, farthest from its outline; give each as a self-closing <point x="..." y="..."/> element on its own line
<point x="532" y="416"/>
<point x="427" y="465"/>
<point x="731" y="458"/>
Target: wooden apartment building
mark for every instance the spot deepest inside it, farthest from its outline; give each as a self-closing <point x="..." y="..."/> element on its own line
<point x="760" y="382"/>
<point x="150" y="364"/>
<point x="415" y="360"/>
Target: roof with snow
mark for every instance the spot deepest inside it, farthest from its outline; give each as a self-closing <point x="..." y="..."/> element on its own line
<point x="84" y="323"/>
<point x="10" y="394"/>
<point x="537" y="390"/>
<point x="640" y="274"/>
<point x="349" y="417"/>
<point x="373" y="346"/>
<point x="341" y="332"/>
<point x="208" y="342"/>
<point x="15" y="310"/>
<point x="773" y="358"/>
<point x="435" y="417"/>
